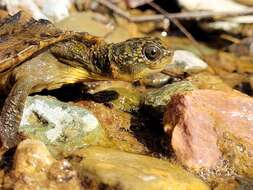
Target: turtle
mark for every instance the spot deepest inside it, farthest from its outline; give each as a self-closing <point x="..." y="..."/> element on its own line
<point x="36" y="55"/>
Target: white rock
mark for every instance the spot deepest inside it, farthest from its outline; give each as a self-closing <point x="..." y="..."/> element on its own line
<point x="185" y="61"/>
<point x="212" y="5"/>
<point x="241" y="19"/>
<point x="53" y="10"/>
<point x="223" y="25"/>
<point x="136" y="3"/>
<point x="58" y="115"/>
<point x="56" y="10"/>
<point x="13" y="6"/>
<point x="228" y="24"/>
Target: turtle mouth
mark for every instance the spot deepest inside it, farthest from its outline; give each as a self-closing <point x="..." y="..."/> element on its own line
<point x="175" y="74"/>
<point x="173" y="71"/>
<point x="169" y="72"/>
<point x="168" y="68"/>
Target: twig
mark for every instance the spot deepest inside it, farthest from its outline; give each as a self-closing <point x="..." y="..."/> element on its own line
<point x="210" y="14"/>
<point x="180" y="16"/>
<point x="230" y="38"/>
<point x="130" y="18"/>
<point x="185" y="32"/>
<point x="176" y="22"/>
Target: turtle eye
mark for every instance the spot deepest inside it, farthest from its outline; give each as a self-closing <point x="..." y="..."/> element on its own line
<point x="152" y="52"/>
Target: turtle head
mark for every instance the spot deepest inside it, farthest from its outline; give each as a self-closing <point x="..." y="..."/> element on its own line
<point x="130" y="60"/>
<point x="137" y="58"/>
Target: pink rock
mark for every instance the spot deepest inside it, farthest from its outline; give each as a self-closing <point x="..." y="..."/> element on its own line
<point x="196" y="120"/>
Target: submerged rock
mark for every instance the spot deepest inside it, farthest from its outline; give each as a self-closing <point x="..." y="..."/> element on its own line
<point x="116" y="125"/>
<point x="35" y="168"/>
<point x="209" y="128"/>
<point x="119" y="94"/>
<point x="113" y="169"/>
<point x="157" y="99"/>
<point x="128" y="100"/>
<point x="124" y="99"/>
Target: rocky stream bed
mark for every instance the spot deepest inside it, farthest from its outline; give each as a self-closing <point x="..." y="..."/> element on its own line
<point x="193" y="131"/>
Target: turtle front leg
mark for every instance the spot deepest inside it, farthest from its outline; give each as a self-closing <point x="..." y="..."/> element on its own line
<point x="11" y="114"/>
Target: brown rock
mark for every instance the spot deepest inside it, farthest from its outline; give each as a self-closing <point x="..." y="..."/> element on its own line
<point x="35" y="168"/>
<point x="3" y="14"/>
<point x="232" y="69"/>
<point x="116" y="124"/>
<point x="206" y="80"/>
<point x="208" y="126"/>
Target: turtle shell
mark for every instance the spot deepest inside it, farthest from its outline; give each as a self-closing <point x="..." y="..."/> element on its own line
<point x="21" y="36"/>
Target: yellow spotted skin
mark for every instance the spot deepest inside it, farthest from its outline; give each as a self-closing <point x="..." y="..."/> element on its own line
<point x="130" y="59"/>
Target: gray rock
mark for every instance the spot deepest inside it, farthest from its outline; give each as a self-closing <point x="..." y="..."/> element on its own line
<point x="159" y="98"/>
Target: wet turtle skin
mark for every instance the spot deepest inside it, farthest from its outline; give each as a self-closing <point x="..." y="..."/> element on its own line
<point x="34" y="55"/>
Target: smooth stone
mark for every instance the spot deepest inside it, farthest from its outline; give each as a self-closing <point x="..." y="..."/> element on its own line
<point x="128" y="100"/>
<point x="115" y="169"/>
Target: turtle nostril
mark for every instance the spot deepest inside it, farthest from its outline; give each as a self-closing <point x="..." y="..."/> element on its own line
<point x="169" y="52"/>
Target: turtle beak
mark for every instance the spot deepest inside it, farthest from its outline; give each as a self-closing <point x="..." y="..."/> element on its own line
<point x="168" y="67"/>
<point x="170" y="72"/>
